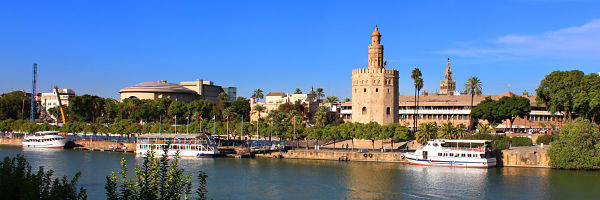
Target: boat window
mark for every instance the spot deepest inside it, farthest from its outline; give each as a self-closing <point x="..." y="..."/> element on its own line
<point x="451" y="154"/>
<point x="439" y="154"/>
<point x="482" y="155"/>
<point x="462" y="155"/>
<point x="435" y="144"/>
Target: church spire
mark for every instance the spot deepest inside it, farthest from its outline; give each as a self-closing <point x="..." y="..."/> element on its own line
<point x="448" y="73"/>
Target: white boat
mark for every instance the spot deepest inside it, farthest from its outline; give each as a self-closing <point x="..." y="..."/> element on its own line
<point x="45" y="139"/>
<point x="192" y="145"/>
<point x="454" y="153"/>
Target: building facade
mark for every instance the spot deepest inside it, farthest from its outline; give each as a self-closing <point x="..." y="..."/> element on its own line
<point x="186" y="91"/>
<point x="274" y="99"/>
<point x="375" y="88"/>
<point x="47" y="100"/>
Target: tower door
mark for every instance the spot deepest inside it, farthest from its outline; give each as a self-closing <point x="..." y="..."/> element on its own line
<point x="425" y="155"/>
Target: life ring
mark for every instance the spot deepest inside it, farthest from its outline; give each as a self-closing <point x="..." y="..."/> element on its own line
<point x="402" y="156"/>
<point x="370" y="155"/>
<point x="365" y="155"/>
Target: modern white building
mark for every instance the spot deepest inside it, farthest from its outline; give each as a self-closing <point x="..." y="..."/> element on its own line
<point x="49" y="100"/>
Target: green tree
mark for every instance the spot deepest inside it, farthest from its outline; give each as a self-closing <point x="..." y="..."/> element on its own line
<point x="578" y="147"/>
<point x="447" y="131"/>
<point x="179" y="109"/>
<point x="473" y="87"/>
<point x="320" y="93"/>
<point x="86" y="108"/>
<point x="427" y="131"/>
<point x="331" y="99"/>
<point x="484" y="128"/>
<point x="514" y="107"/>
<point x="19" y="181"/>
<point x="558" y="90"/>
<point x="223" y="96"/>
<point x="347" y="99"/>
<point x="14" y="105"/>
<point x="587" y="101"/>
<point x="321" y="117"/>
<point x="489" y="110"/>
<point x="298" y="91"/>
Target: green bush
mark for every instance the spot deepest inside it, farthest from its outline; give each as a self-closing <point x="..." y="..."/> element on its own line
<point x="18" y="181"/>
<point x="546" y="139"/>
<point x="578" y="147"/>
<point x="501" y="144"/>
<point x="521" y="141"/>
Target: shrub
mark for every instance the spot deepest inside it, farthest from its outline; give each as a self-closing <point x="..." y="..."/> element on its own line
<point x="578" y="147"/>
<point x="18" y="182"/>
<point x="501" y="144"/>
<point x="546" y="139"/>
<point x="521" y="141"/>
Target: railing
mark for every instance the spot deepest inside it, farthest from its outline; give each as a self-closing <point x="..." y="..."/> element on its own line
<point x="476" y="149"/>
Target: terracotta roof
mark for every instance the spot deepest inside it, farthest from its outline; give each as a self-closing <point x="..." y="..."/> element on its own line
<point x="160" y="86"/>
<point x="507" y="94"/>
<point x="275" y="94"/>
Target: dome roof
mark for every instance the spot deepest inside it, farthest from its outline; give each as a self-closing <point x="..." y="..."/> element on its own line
<point x="160" y="86"/>
<point x="376" y="31"/>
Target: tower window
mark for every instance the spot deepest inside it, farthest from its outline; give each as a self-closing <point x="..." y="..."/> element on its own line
<point x="365" y="89"/>
<point x="388" y="90"/>
<point x="376" y="89"/>
<point x="387" y="111"/>
<point x="364" y="110"/>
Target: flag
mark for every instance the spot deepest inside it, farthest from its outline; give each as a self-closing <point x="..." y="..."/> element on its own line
<point x="227" y="118"/>
<point x="214" y="117"/>
<point x="175" y="117"/>
<point x="294" y="117"/>
<point x="385" y="63"/>
<point x="188" y="117"/>
<point x="200" y="117"/>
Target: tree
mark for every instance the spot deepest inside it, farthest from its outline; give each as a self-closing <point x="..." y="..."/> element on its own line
<point x="347" y="99"/>
<point x="257" y="95"/>
<point x="427" y="131"/>
<point x="473" y="87"/>
<point x="418" y="83"/>
<point x="484" y="128"/>
<point x="514" y="107"/>
<point x="18" y="181"/>
<point x="298" y="91"/>
<point x="320" y="93"/>
<point x="178" y="108"/>
<point x="558" y="90"/>
<point x="447" y="131"/>
<point x="14" y="105"/>
<point x="587" y="101"/>
<point x="259" y="109"/>
<point x="489" y="110"/>
<point x="321" y="117"/>
<point x="331" y="99"/>
<point x="223" y="96"/>
<point x="578" y="147"/>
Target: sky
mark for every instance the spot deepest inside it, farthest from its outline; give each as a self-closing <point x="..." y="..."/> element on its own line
<point x="100" y="47"/>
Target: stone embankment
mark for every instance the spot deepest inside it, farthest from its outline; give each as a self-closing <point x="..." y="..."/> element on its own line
<point x="337" y="155"/>
<point x="533" y="156"/>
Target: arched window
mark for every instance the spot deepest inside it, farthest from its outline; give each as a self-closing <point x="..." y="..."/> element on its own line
<point x="376" y="89"/>
<point x="388" y="90"/>
<point x="365" y="89"/>
<point x="387" y="111"/>
<point x="364" y="110"/>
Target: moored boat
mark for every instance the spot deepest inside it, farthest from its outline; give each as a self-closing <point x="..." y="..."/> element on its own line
<point x="454" y="153"/>
<point x="45" y="139"/>
<point x="192" y="145"/>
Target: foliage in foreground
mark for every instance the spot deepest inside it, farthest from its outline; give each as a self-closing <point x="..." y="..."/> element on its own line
<point x="156" y="178"/>
<point x="18" y="181"/>
<point x="578" y="147"/>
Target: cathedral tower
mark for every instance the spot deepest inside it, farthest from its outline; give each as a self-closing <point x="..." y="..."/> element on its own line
<point x="447" y="86"/>
<point x="375" y="88"/>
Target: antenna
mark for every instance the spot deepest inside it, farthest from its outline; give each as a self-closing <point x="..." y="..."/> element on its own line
<point x="33" y="82"/>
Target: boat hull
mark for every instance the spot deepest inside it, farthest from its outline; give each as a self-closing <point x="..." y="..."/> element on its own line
<point x="56" y="144"/>
<point x="452" y="163"/>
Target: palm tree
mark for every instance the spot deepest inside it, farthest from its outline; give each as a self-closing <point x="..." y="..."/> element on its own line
<point x="416" y="75"/>
<point x="461" y="131"/>
<point x="320" y="93"/>
<point x="427" y="131"/>
<point x="331" y="99"/>
<point x="473" y="87"/>
<point x="298" y="91"/>
<point x="447" y="131"/>
<point x="483" y="128"/>
<point x="258" y="109"/>
<point x="257" y="95"/>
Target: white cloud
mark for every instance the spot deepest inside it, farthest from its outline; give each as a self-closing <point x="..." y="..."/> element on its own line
<point x="578" y="41"/>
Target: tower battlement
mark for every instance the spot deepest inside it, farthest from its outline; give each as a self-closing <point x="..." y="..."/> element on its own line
<point x="374" y="71"/>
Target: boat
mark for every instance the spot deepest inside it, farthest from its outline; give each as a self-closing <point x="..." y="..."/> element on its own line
<point x="45" y="139"/>
<point x="186" y="145"/>
<point x="454" y="153"/>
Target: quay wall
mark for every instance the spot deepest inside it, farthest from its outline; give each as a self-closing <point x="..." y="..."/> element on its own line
<point x="338" y="155"/>
<point x="534" y="156"/>
<point x="104" y="144"/>
<point x="11" y="141"/>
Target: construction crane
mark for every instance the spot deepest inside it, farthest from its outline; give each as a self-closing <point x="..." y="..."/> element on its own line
<point x="33" y="82"/>
<point x="62" y="113"/>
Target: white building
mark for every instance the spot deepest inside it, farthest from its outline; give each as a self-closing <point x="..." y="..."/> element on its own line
<point x="49" y="100"/>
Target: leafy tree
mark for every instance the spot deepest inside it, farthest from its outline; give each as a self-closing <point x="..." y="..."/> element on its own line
<point x="347" y="99"/>
<point x="473" y="87"/>
<point x="257" y="95"/>
<point x="558" y="90"/>
<point x="241" y="106"/>
<point x="578" y="147"/>
<point x="427" y="131"/>
<point x="180" y="109"/>
<point x="587" y="101"/>
<point x="223" y="96"/>
<point x="14" y="105"/>
<point x="489" y="110"/>
<point x="320" y="93"/>
<point x="514" y="107"/>
<point x="331" y="99"/>
<point x="86" y="108"/>
<point x="18" y="181"/>
<point x="298" y="91"/>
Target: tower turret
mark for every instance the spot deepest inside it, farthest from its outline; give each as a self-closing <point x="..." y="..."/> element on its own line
<point x="375" y="51"/>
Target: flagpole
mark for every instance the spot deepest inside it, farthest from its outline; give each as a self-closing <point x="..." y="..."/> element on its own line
<point x="175" y="124"/>
<point x="227" y="127"/>
<point x="270" y="136"/>
<point x="159" y="124"/>
<point x="187" y="126"/>
<point x="214" y="123"/>
<point x="242" y="130"/>
<point x="257" y="137"/>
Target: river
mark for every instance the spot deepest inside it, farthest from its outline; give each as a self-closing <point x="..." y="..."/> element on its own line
<point x="265" y="178"/>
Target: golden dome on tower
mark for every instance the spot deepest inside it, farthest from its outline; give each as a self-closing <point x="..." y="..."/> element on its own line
<point x="376" y="31"/>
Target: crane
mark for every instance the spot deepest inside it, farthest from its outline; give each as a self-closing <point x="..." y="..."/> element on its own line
<point x="62" y="113"/>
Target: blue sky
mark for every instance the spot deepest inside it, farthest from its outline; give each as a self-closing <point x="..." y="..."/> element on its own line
<point x="99" y="47"/>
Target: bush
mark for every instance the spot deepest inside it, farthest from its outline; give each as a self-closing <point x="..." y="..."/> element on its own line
<point x="501" y="144"/>
<point x="578" y="147"/>
<point x="18" y="182"/>
<point x="521" y="141"/>
<point x="546" y="139"/>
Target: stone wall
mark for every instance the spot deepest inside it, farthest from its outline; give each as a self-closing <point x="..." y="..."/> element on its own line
<point x="534" y="156"/>
<point x="104" y="144"/>
<point x="338" y="155"/>
<point x="11" y="141"/>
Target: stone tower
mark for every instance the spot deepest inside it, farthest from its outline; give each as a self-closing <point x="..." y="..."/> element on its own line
<point x="447" y="86"/>
<point x="375" y="88"/>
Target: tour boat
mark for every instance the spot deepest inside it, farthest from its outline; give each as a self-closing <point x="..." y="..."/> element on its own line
<point x="187" y="145"/>
<point x="45" y="139"/>
<point x="454" y="153"/>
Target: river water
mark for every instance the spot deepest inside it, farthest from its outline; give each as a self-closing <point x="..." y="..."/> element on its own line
<point x="264" y="178"/>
